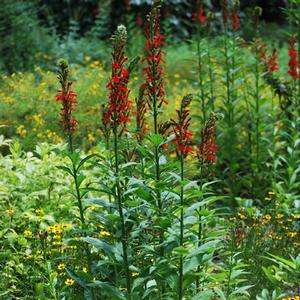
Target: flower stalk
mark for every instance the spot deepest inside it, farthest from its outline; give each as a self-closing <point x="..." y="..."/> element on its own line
<point x="118" y="116"/>
<point x="182" y="143"/>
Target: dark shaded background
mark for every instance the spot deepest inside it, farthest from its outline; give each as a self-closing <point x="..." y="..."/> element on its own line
<point x="35" y="32"/>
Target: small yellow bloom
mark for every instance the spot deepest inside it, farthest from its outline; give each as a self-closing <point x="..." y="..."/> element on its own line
<point x="91" y="137"/>
<point x="268" y="217"/>
<point x="69" y="281"/>
<point x="21" y="130"/>
<point x="268" y="198"/>
<point x="135" y="274"/>
<point x="27" y="232"/>
<point x="279" y="216"/>
<point x="241" y="216"/>
<point x="87" y="58"/>
<point x="61" y="267"/>
<point x="9" y="211"/>
<point x="105" y="233"/>
<point x="292" y="234"/>
<point x="271" y="193"/>
<point x="85" y="270"/>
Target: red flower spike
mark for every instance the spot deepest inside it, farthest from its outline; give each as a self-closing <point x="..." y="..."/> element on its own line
<point x="207" y="149"/>
<point x="68" y="99"/>
<point x="199" y="17"/>
<point x="235" y="21"/>
<point x="293" y="62"/>
<point x="269" y="61"/>
<point x="118" y="108"/>
<point x="153" y="57"/>
<point x="183" y="136"/>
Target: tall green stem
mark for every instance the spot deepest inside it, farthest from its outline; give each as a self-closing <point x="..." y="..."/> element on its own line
<point x="120" y="208"/>
<point x="180" y="291"/>
<point x="200" y="73"/>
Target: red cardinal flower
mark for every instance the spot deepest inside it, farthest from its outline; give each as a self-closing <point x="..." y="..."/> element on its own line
<point x="293" y="62"/>
<point x="119" y="104"/>
<point x="268" y="61"/>
<point x="68" y="99"/>
<point x="272" y="62"/>
<point x="235" y="20"/>
<point x="199" y="17"/>
<point x="153" y="56"/>
<point x="183" y="136"/>
<point x="207" y="149"/>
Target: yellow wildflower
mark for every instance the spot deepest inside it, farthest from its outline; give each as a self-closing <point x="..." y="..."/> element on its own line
<point x="292" y="234"/>
<point x="268" y="217"/>
<point x="69" y="281"/>
<point x="91" y="137"/>
<point x="21" y="130"/>
<point x="27" y="232"/>
<point x="241" y="216"/>
<point x="105" y="233"/>
<point x="61" y="267"/>
<point x="279" y="216"/>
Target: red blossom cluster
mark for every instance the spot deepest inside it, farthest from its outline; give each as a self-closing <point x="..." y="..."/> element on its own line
<point x="153" y="56"/>
<point x="234" y="17"/>
<point x="207" y="149"/>
<point x="269" y="61"/>
<point x="183" y="136"/>
<point x="68" y="98"/>
<point x="235" y="20"/>
<point x="119" y="104"/>
<point x="199" y="17"/>
<point x="293" y="62"/>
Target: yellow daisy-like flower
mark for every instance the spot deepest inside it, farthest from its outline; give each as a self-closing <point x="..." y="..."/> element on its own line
<point x="292" y="234"/>
<point x="61" y="267"/>
<point x="279" y="216"/>
<point x="105" y="233"/>
<point x="27" y="232"/>
<point x="271" y="193"/>
<point x="268" y="217"/>
<point x="85" y="270"/>
<point x="241" y="216"/>
<point x="9" y="211"/>
<point x="69" y="281"/>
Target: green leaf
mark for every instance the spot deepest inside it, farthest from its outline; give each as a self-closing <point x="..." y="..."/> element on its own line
<point x="66" y="169"/>
<point x="205" y="248"/>
<point x="204" y="295"/>
<point x="284" y="261"/>
<point x="101" y="202"/>
<point x="84" y="160"/>
<point x="108" y="249"/>
<point x="156" y="140"/>
<point x="107" y="289"/>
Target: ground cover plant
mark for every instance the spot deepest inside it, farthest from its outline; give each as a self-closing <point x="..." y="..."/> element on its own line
<point x="129" y="180"/>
